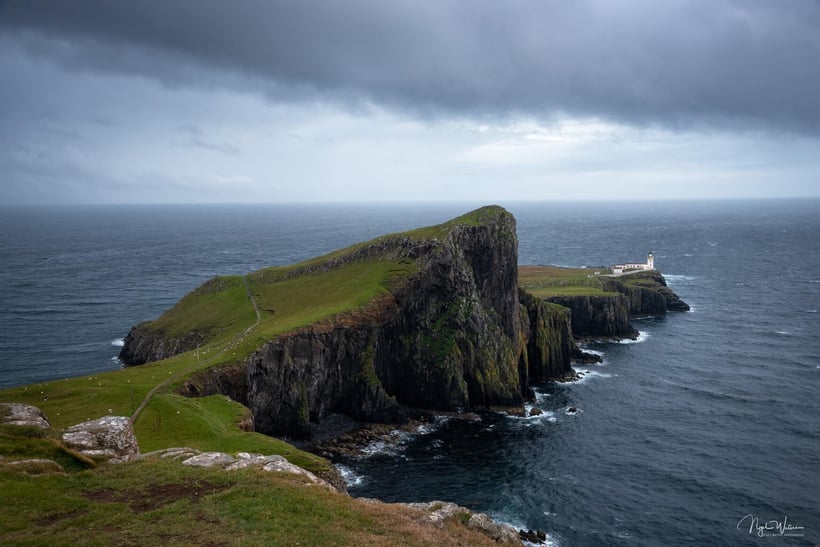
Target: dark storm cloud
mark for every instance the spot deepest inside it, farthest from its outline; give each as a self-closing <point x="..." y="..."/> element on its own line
<point x="745" y="63"/>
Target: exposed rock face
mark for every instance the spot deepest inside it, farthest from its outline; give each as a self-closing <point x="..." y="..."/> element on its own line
<point x="646" y="293"/>
<point x="638" y="295"/>
<point x="456" y="337"/>
<point x="143" y="345"/>
<point x="22" y="415"/>
<point x="550" y="344"/>
<point x="640" y="301"/>
<point x="598" y="315"/>
<point x="108" y="438"/>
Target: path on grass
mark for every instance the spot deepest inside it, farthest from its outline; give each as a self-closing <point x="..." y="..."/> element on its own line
<point x="238" y="338"/>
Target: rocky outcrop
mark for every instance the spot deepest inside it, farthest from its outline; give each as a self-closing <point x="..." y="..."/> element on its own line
<point x="639" y="294"/>
<point x="640" y="301"/>
<point x="437" y="513"/>
<point x="143" y="345"/>
<point x="243" y="460"/>
<point x="23" y="415"/>
<point x="646" y="293"/>
<point x="605" y="316"/>
<point x="110" y="438"/>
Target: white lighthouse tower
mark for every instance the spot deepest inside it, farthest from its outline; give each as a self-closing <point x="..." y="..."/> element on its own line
<point x="650" y="261"/>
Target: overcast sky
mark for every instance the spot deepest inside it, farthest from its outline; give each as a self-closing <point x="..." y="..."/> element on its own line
<point x="249" y="101"/>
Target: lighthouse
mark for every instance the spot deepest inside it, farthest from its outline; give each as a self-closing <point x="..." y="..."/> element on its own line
<point x="650" y="261"/>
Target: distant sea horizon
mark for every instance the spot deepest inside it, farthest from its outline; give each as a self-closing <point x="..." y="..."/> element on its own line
<point x="710" y="417"/>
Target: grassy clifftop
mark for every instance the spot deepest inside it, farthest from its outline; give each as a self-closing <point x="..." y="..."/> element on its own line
<point x="546" y="281"/>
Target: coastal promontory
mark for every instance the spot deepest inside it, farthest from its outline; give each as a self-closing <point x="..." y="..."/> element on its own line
<point x="430" y="318"/>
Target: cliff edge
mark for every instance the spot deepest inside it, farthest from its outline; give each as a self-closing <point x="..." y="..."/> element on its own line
<point x="430" y="318"/>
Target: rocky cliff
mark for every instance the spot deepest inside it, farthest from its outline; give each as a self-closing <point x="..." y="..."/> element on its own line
<point x="451" y="334"/>
<point x="598" y="315"/>
<point x="550" y="341"/>
<point x="142" y="345"/>
<point x="647" y="293"/>
<point x="612" y="301"/>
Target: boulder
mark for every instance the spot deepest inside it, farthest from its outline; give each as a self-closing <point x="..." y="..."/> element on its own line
<point x="23" y="415"/>
<point x="110" y="438"/>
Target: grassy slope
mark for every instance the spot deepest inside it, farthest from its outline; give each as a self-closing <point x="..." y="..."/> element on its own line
<point x="166" y="503"/>
<point x="222" y="305"/>
<point x="545" y="281"/>
<point x="223" y="315"/>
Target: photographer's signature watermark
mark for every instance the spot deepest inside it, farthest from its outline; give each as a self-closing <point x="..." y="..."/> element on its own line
<point x="769" y="528"/>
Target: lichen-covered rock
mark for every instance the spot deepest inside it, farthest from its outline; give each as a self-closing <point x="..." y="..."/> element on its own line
<point x="245" y="460"/>
<point x="22" y="415"/>
<point x="501" y="533"/>
<point x="284" y="466"/>
<point x="210" y="459"/>
<point x="110" y="438"/>
<point x="439" y="511"/>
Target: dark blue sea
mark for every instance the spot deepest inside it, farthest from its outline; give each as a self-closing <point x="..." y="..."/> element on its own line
<point x="704" y="427"/>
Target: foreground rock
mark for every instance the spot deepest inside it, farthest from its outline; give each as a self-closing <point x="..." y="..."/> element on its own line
<point x="437" y="512"/>
<point x="35" y="466"/>
<point x="110" y="438"/>
<point x="23" y="415"/>
<point x="243" y="460"/>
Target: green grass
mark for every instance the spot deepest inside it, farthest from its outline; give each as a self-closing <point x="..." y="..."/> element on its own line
<point x="546" y="281"/>
<point x="23" y="443"/>
<point x="166" y="503"/>
<point x="216" y="308"/>
<point x="309" y="298"/>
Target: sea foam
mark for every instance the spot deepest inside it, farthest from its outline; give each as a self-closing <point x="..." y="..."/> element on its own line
<point x="642" y="336"/>
<point x="350" y="477"/>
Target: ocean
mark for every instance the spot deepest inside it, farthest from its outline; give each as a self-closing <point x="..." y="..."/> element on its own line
<point x="706" y="430"/>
